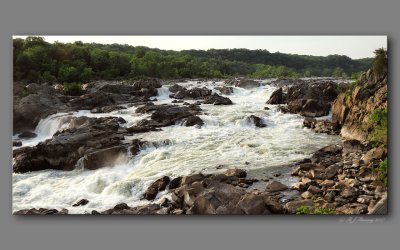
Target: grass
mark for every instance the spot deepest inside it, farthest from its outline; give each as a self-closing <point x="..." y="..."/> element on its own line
<point x="317" y="210"/>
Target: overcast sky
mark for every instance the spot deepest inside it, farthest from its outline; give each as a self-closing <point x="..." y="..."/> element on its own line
<point x="353" y="46"/>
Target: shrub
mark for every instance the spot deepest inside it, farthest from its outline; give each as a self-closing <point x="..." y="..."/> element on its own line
<point x="72" y="89"/>
<point x="378" y="135"/>
<point x="346" y="88"/>
<point x="380" y="64"/>
<point x="303" y="210"/>
<point x="317" y="210"/>
<point x="382" y="170"/>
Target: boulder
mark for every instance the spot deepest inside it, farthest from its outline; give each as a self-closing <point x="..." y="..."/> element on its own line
<point x="155" y="187"/>
<point x="27" y="135"/>
<point x="217" y="100"/>
<point x="82" y="202"/>
<point x="225" y="90"/>
<point x="275" y="186"/>
<point x="17" y="143"/>
<point x="253" y="204"/>
<point x="292" y="206"/>
<point x="257" y="121"/>
<point x="247" y="84"/>
<point x="352" y="208"/>
<point x="107" y="157"/>
<point x="240" y="173"/>
<point x="276" y="97"/>
<point x="192" y="121"/>
<point x="175" y="88"/>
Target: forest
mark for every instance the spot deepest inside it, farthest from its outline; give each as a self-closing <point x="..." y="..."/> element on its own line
<point x="36" y="60"/>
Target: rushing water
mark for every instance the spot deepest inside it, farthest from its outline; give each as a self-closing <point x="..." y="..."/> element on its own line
<point x="226" y="140"/>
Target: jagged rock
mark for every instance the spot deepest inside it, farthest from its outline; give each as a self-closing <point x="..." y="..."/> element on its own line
<point x="105" y="157"/>
<point x="257" y="121"/>
<point x="17" y="143"/>
<point x="192" y="121"/>
<point x="217" y="100"/>
<point x="175" y="183"/>
<point x="82" y="202"/>
<point x="276" y="97"/>
<point x="155" y="187"/>
<point x="314" y="189"/>
<point x="175" y="88"/>
<point x="374" y="154"/>
<point x="247" y="84"/>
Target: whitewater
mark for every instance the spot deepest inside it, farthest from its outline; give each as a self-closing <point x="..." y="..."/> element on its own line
<point x="228" y="139"/>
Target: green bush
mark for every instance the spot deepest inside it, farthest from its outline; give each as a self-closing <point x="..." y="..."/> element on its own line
<point x="380" y="64"/>
<point x="74" y="89"/>
<point x="382" y="170"/>
<point x="317" y="210"/>
<point x="346" y="88"/>
<point x="378" y="135"/>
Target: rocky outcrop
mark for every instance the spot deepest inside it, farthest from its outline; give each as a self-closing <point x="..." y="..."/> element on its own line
<point x="307" y="98"/>
<point x="166" y="115"/>
<point x="217" y="100"/>
<point x="247" y="84"/>
<point x="352" y="111"/>
<point x="95" y="142"/>
<point x="322" y="126"/>
<point x="225" y="90"/>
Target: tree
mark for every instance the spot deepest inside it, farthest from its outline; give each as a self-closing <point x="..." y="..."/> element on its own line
<point x="380" y="65"/>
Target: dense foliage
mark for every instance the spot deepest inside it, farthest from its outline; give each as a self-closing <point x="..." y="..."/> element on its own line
<point x="39" y="61"/>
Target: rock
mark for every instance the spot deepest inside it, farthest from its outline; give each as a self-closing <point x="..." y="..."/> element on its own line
<point x="225" y="90"/>
<point x="276" y="97"/>
<point x="92" y="100"/>
<point x="348" y="192"/>
<point x="257" y="121"/>
<point x="275" y="186"/>
<point x="202" y="205"/>
<point x="351" y="146"/>
<point x="82" y="202"/>
<point x="374" y="154"/>
<point x="327" y="183"/>
<point x="240" y="173"/>
<point x="17" y="143"/>
<point x="175" y="88"/>
<point x="27" y="135"/>
<point x="306" y="166"/>
<point x="175" y="183"/>
<point x="307" y="195"/>
<point x="29" y="110"/>
<point x="121" y="206"/>
<point x="253" y="204"/>
<point x="330" y="196"/>
<point x="61" y="151"/>
<point x="314" y="190"/>
<point x="247" y="84"/>
<point x="352" y="208"/>
<point x="273" y="205"/>
<point x="292" y="206"/>
<point x="331" y="171"/>
<point x="107" y="157"/>
<point x="217" y="100"/>
<point x="187" y="180"/>
<point x="192" y="121"/>
<point x="155" y="187"/>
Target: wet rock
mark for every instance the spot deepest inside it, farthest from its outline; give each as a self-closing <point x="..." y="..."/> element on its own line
<point x="314" y="190"/>
<point x="155" y="187"/>
<point x="63" y="150"/>
<point x="175" y="183"/>
<point x="192" y="121"/>
<point x="276" y="97"/>
<point x="82" y="202"/>
<point x="106" y="109"/>
<point x="27" y="135"/>
<point x="121" y="206"/>
<point x="257" y="121"/>
<point x="225" y="90"/>
<point x="247" y="84"/>
<point x="374" y="154"/>
<point x="307" y="195"/>
<point x="217" y="100"/>
<point x="17" y="143"/>
<point x="107" y="157"/>
<point x="187" y="180"/>
<point x="275" y="186"/>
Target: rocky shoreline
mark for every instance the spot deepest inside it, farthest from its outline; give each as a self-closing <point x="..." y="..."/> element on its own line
<point x="336" y="179"/>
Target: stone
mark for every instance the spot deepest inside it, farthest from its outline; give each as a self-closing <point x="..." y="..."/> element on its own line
<point x="276" y="97"/>
<point x="307" y="195"/>
<point x="275" y="186"/>
<point x="292" y="206"/>
<point x="121" y="206"/>
<point x="348" y="192"/>
<point x="314" y="189"/>
<point x="175" y="183"/>
<point x="27" y="135"/>
<point x="352" y="208"/>
<point x="81" y="202"/>
<point x="17" y="143"/>
<point x="257" y="121"/>
<point x="159" y="185"/>
<point x="253" y="204"/>
<point x="240" y="173"/>
<point x="374" y="154"/>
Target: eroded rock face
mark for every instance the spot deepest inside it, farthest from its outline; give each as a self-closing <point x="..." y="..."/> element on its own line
<point x="217" y="100"/>
<point x="225" y="90"/>
<point x="352" y="112"/>
<point x="155" y="187"/>
<point x="276" y="97"/>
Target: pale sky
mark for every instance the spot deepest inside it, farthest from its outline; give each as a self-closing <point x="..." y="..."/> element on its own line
<point x="353" y="46"/>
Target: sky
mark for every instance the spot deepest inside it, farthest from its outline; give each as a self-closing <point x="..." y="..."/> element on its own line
<point x="352" y="46"/>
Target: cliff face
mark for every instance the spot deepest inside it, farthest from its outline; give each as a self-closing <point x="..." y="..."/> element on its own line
<point x="352" y="111"/>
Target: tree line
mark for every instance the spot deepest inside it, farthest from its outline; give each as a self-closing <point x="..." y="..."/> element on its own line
<point x="36" y="60"/>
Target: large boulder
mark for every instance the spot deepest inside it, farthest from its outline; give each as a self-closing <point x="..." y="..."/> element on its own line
<point x="155" y="187"/>
<point x="63" y="151"/>
<point x="276" y="97"/>
<point x="225" y="90"/>
<point x="217" y="100"/>
<point x="247" y="84"/>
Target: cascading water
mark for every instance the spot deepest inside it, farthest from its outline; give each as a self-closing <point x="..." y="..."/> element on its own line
<point x="227" y="138"/>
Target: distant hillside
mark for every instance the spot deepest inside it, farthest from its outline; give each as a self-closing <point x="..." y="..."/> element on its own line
<point x="39" y="61"/>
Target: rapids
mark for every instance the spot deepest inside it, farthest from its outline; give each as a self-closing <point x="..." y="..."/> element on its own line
<point x="226" y="140"/>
